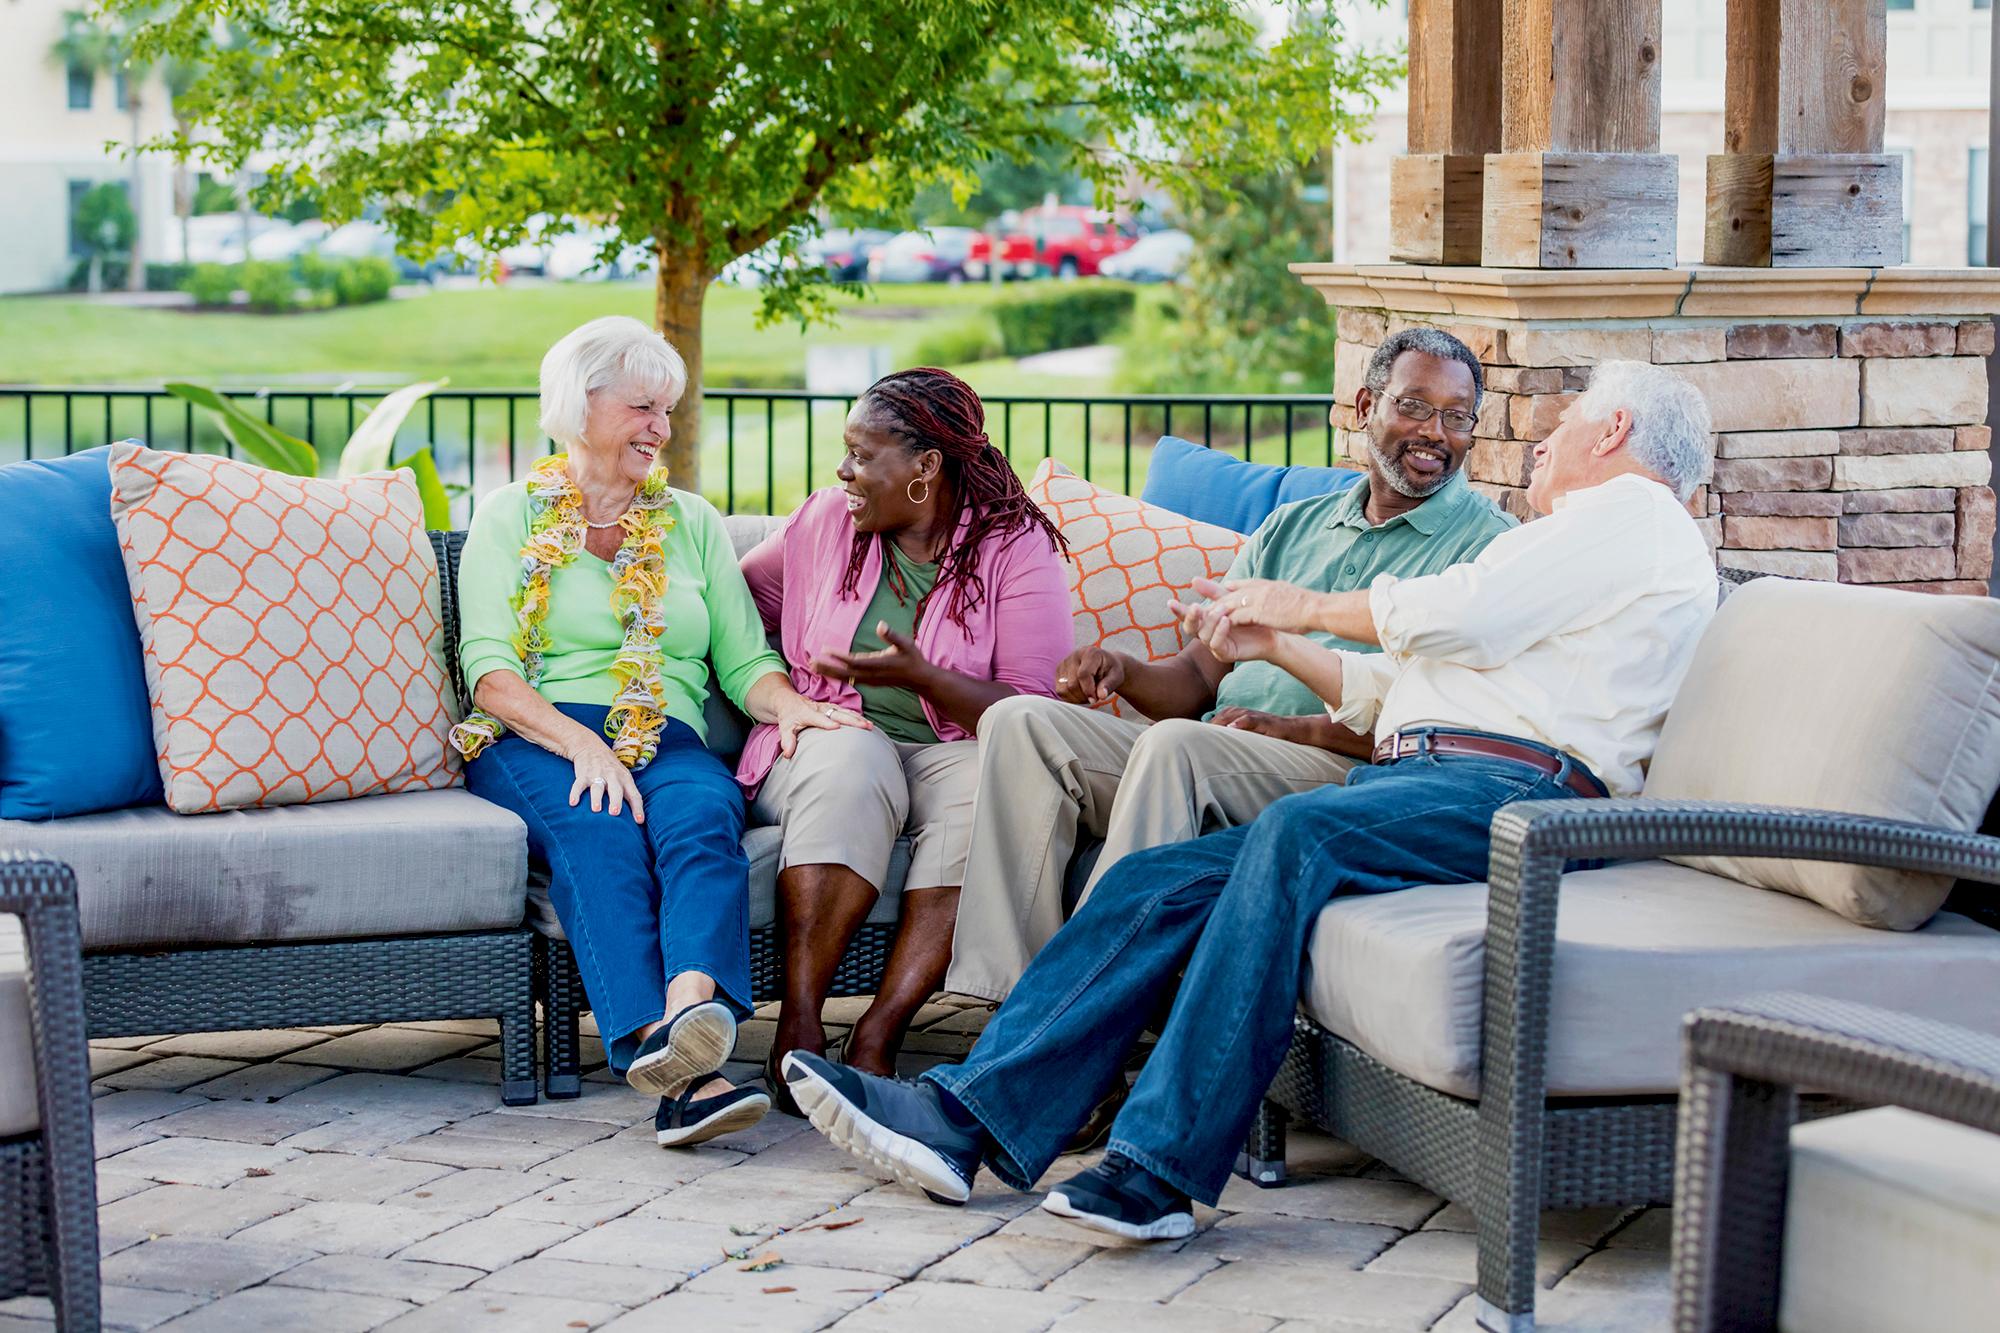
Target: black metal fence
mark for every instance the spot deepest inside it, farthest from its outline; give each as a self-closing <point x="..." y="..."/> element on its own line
<point x="762" y="450"/>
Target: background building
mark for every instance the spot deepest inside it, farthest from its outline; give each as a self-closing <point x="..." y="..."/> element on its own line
<point x="1937" y="118"/>
<point x="54" y="125"/>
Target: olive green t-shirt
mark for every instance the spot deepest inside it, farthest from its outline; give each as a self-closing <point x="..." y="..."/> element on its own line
<point x="894" y="709"/>
<point x="1327" y="544"/>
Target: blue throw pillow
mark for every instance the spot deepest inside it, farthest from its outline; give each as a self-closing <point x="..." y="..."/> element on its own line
<point x="76" y="734"/>
<point x="1206" y="484"/>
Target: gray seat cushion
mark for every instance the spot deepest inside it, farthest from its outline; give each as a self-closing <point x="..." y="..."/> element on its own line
<point x="19" y="1113"/>
<point x="1637" y="946"/>
<point x="419" y="863"/>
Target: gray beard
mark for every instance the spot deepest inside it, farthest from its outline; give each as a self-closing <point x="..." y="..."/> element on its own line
<point x="1401" y="481"/>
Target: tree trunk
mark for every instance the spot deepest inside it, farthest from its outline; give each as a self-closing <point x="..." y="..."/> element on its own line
<point x="135" y="264"/>
<point x="680" y="287"/>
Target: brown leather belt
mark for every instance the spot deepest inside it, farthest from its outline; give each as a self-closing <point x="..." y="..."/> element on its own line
<point x="1409" y="744"/>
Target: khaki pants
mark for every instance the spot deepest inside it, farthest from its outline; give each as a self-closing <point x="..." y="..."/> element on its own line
<point x="1051" y="773"/>
<point x="845" y="796"/>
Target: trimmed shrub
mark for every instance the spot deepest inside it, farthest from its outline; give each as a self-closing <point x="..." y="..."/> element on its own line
<point x="211" y="284"/>
<point x="959" y="344"/>
<point x="320" y="276"/>
<point x="360" y="281"/>
<point x="270" y="287"/>
<point x="1073" y="315"/>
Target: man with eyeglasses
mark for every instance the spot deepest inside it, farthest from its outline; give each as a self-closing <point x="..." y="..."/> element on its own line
<point x="1228" y="739"/>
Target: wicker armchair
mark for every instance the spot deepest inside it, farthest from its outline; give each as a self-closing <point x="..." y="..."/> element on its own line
<point x="1513" y="1151"/>
<point x="1745" y="1065"/>
<point x="48" y="1173"/>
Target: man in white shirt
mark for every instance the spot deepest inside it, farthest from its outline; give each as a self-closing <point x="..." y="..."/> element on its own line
<point x="1542" y="670"/>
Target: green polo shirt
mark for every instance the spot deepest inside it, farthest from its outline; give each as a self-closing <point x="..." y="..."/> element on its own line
<point x="1327" y="544"/>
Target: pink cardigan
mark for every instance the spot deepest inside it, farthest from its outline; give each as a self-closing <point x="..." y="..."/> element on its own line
<point x="1017" y="634"/>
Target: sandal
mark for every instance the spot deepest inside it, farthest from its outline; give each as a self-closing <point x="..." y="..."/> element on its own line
<point x="684" y="1121"/>
<point x="699" y="1037"/>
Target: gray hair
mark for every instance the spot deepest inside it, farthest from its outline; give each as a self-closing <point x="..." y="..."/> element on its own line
<point x="1671" y="432"/>
<point x="1430" y="342"/>
<point x="593" y="356"/>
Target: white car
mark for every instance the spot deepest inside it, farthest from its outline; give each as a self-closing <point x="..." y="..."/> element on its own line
<point x="1158" y="256"/>
<point x="286" y="241"/>
<point x="217" y="238"/>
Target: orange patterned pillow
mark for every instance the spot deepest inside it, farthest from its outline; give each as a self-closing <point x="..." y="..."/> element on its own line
<point x="1127" y="560"/>
<point x="293" y="644"/>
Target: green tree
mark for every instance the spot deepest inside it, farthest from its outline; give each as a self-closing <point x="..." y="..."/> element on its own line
<point x="100" y="49"/>
<point x="1240" y="322"/>
<point x="708" y="129"/>
<point x="106" y="225"/>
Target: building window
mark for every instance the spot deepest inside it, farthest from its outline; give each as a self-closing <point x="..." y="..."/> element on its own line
<point x="1975" y="208"/>
<point x="77" y="189"/>
<point x="80" y="87"/>
<point x="121" y="93"/>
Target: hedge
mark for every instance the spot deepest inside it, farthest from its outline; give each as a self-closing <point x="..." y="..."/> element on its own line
<point x="1072" y="315"/>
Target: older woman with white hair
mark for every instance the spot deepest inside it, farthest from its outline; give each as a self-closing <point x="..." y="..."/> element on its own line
<point x="593" y="599"/>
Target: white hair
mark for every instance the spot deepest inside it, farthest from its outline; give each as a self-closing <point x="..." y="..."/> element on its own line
<point x="1671" y="434"/>
<point x="612" y="350"/>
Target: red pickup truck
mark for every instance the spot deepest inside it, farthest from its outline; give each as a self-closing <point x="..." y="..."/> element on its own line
<point x="1066" y="241"/>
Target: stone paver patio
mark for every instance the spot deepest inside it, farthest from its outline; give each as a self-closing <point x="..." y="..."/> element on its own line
<point x="357" y="1178"/>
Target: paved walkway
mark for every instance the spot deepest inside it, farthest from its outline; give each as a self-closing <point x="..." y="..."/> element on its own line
<point x="353" y="1178"/>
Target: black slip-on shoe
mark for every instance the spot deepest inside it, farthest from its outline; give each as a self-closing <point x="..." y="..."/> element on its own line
<point x="692" y="1045"/>
<point x="900" y="1129"/>
<point x="684" y="1121"/>
<point x="1121" y="1198"/>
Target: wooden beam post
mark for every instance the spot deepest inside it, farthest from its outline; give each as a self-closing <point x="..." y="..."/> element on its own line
<point x="1454" y="93"/>
<point x="1803" y="180"/>
<point x="1580" y="181"/>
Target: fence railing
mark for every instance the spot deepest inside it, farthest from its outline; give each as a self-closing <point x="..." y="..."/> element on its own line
<point x="762" y="449"/>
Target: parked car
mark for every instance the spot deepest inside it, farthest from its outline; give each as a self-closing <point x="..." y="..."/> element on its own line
<point x="217" y="238"/>
<point x="845" y="251"/>
<point x="1064" y="240"/>
<point x="936" y="255"/>
<point x="361" y="239"/>
<point x="1159" y="256"/>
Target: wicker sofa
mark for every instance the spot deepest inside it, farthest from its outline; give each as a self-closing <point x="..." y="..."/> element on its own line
<point x="1883" y="1221"/>
<point x="1512" y="1058"/>
<point x="48" y="1172"/>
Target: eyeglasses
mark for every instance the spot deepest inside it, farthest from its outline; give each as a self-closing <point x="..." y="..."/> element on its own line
<point x="1455" y="421"/>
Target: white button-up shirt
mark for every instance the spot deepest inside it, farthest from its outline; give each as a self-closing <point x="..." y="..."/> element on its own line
<point x="1575" y="631"/>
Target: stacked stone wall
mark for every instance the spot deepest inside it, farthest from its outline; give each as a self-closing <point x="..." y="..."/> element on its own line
<point x="1851" y="450"/>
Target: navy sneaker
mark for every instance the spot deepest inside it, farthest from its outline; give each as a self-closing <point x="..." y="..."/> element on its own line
<point x="1121" y="1198"/>
<point x="692" y="1045"/>
<point x="686" y="1120"/>
<point x="904" y="1130"/>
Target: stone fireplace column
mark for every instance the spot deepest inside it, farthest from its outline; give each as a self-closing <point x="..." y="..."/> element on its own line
<point x="1848" y="403"/>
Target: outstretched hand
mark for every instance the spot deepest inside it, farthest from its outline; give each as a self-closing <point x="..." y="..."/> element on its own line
<point x="1285" y="607"/>
<point x="902" y="663"/>
<point x="1223" y="636"/>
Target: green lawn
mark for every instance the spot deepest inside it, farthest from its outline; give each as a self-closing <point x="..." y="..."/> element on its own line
<point x="488" y="337"/>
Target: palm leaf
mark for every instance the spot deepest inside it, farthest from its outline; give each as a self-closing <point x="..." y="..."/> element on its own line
<point x="431" y="487"/>
<point x="373" y="441"/>
<point x="264" y="443"/>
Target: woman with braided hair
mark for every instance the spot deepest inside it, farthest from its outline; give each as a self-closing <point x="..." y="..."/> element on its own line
<point x="920" y="591"/>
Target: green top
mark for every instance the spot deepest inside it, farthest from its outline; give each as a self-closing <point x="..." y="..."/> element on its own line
<point x="1327" y="544"/>
<point x="708" y="607"/>
<point x="895" y="709"/>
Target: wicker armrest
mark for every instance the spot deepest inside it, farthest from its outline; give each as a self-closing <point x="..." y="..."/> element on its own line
<point x="43" y="894"/>
<point x="1532" y="840"/>
<point x="1745" y="1063"/>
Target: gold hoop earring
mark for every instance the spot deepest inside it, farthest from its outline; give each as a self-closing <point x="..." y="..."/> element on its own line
<point x="911" y="488"/>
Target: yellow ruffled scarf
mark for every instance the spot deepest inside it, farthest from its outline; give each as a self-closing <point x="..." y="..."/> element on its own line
<point x="556" y="531"/>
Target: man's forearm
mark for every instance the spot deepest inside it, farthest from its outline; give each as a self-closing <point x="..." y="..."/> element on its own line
<point x="1346" y="615"/>
<point x="1317" y="668"/>
<point x="1173" y="688"/>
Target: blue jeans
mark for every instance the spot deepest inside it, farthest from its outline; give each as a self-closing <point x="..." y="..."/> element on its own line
<point x="640" y="903"/>
<point x="1230" y="914"/>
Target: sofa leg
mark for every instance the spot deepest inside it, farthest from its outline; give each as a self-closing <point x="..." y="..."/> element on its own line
<point x="561" y="1036"/>
<point x="1262" y="1161"/>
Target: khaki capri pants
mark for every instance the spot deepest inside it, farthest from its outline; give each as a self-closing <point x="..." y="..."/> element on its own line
<point x="846" y="795"/>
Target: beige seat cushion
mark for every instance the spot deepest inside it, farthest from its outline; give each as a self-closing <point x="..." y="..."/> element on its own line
<point x="762" y="845"/>
<point x="746" y="530"/>
<point x="418" y="863"/>
<point x="19" y="1112"/>
<point x="1892" y="1225"/>
<point x="1841" y="698"/>
<point x="1637" y="947"/>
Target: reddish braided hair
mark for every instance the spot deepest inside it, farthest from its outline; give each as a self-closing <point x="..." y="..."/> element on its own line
<point x="928" y="408"/>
